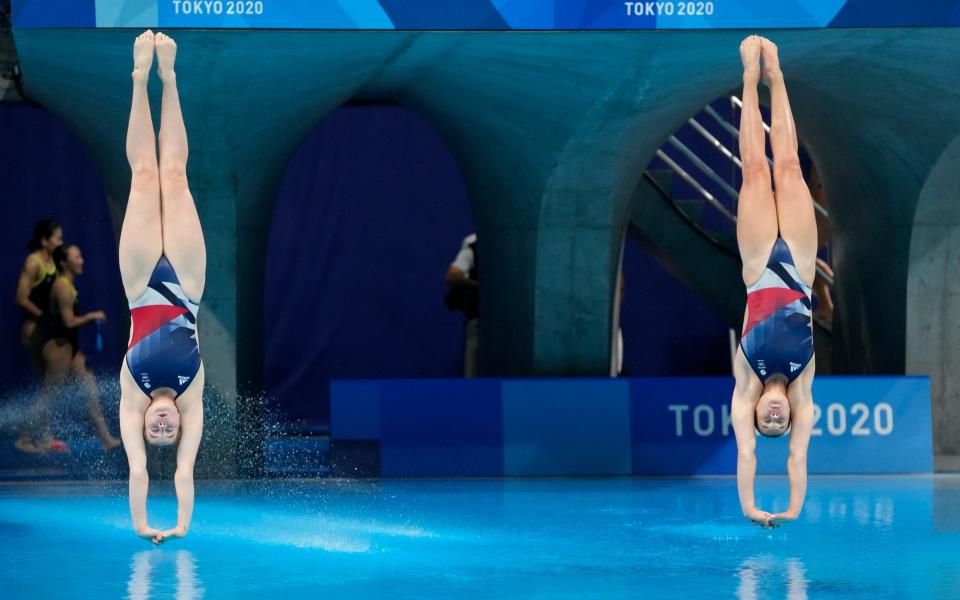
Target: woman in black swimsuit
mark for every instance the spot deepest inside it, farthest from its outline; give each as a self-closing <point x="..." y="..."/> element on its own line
<point x="58" y="336"/>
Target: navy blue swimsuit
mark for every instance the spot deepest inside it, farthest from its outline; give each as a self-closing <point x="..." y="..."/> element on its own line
<point x="163" y="351"/>
<point x="778" y="336"/>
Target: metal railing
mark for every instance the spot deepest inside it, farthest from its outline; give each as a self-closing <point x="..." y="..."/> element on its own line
<point x="704" y="167"/>
<point x="712" y="175"/>
<point x="736" y="101"/>
<point x="696" y="186"/>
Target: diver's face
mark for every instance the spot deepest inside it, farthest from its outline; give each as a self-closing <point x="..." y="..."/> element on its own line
<point x="54" y="241"/>
<point x="773" y="413"/>
<point x="161" y="423"/>
<point x="74" y="262"/>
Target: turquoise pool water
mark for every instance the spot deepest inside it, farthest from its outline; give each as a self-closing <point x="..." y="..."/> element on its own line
<point x="858" y="537"/>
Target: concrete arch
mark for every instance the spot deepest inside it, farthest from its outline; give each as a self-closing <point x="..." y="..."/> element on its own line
<point x="933" y="296"/>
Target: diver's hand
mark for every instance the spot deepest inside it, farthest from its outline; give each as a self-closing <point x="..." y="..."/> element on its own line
<point x="785" y="517"/>
<point x="177" y="532"/>
<point x="149" y="533"/>
<point x="760" y="517"/>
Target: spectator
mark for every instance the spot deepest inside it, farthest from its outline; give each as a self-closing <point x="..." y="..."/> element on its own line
<point x="58" y="335"/>
<point x="36" y="281"/>
<point x="463" y="277"/>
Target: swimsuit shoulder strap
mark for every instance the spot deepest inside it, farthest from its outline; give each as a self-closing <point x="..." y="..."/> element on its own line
<point x="45" y="271"/>
<point x="73" y="288"/>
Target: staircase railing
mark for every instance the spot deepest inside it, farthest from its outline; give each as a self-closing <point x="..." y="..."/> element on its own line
<point x="703" y="167"/>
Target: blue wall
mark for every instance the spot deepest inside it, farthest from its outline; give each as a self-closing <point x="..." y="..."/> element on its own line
<point x="46" y="173"/>
<point x="667" y="330"/>
<point x="370" y="213"/>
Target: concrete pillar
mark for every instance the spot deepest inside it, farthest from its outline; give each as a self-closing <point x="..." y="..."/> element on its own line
<point x="933" y="297"/>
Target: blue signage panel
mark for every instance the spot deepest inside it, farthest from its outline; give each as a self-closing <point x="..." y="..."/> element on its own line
<point x="440" y="428"/>
<point x="566" y="427"/>
<point x="355" y="410"/>
<point x="497" y="15"/>
<point x="651" y="426"/>
<point x="863" y="425"/>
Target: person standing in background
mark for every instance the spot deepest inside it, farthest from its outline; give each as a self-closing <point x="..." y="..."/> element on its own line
<point x="58" y="338"/>
<point x="36" y="282"/>
<point x="33" y="297"/>
<point x="463" y="277"/>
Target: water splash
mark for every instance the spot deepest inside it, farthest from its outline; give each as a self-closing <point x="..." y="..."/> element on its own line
<point x="240" y="435"/>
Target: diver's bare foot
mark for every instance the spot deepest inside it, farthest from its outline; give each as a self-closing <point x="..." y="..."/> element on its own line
<point x="143" y="56"/>
<point x="109" y="443"/>
<point x="166" y="55"/>
<point x="771" y="60"/>
<point x="55" y="445"/>
<point x="750" y="56"/>
<point x="27" y="446"/>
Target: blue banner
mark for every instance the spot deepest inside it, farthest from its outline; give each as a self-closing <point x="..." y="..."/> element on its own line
<point x="863" y="425"/>
<point x="497" y="15"/>
<point x="649" y="426"/>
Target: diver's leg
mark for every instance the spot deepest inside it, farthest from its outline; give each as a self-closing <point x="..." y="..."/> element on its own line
<point x="756" y="209"/>
<point x="182" y="236"/>
<point x="141" y="239"/>
<point x="797" y="221"/>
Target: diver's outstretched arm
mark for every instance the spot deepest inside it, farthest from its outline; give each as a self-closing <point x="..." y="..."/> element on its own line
<point x="131" y="431"/>
<point x="742" y="411"/>
<point x="191" y="432"/>
<point x="801" y="428"/>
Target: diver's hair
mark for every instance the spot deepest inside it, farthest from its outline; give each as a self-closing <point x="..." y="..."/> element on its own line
<point x="60" y="255"/>
<point x="776" y="377"/>
<point x="41" y="231"/>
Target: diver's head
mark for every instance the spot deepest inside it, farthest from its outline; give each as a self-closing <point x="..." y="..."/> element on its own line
<point x="772" y="418"/>
<point x="47" y="235"/>
<point x="161" y="422"/>
<point x="68" y="259"/>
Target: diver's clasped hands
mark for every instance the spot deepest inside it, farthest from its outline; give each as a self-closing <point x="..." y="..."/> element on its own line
<point x="158" y="537"/>
<point x="769" y="520"/>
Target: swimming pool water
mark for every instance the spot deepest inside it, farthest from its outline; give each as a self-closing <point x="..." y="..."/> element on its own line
<point x="858" y="537"/>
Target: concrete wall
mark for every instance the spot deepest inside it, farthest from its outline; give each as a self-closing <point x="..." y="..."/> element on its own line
<point x="933" y="297"/>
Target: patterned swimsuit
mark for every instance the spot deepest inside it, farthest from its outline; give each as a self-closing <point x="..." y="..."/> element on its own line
<point x="163" y="351"/>
<point x="778" y="336"/>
